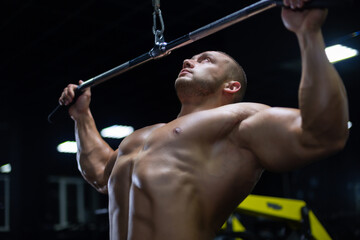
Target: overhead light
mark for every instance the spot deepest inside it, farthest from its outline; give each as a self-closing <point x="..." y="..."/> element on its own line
<point x="67" y="147"/>
<point x="5" y="168"/>
<point x="116" y="131"/>
<point x="349" y="124"/>
<point x="339" y="52"/>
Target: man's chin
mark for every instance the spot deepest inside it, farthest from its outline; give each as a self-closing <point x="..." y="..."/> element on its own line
<point x="183" y="80"/>
<point x="184" y="76"/>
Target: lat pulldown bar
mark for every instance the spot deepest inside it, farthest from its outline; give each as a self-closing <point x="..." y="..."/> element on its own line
<point x="165" y="49"/>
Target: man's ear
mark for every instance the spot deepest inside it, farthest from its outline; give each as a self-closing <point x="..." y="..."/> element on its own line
<point x="232" y="87"/>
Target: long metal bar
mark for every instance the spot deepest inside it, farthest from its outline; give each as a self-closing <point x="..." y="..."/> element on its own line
<point x="165" y="49"/>
<point x="115" y="71"/>
<point x="162" y="51"/>
<point x="222" y="23"/>
<point x="240" y="15"/>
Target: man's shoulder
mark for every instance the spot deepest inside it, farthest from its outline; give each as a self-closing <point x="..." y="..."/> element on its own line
<point x="148" y="129"/>
<point x="249" y="108"/>
<point x="137" y="137"/>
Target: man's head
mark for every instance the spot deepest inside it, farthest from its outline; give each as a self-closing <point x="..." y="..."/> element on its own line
<point x="209" y="73"/>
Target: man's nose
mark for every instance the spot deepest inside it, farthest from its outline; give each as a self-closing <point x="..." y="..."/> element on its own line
<point x="188" y="63"/>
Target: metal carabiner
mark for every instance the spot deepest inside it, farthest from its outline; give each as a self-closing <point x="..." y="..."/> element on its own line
<point x="154" y="29"/>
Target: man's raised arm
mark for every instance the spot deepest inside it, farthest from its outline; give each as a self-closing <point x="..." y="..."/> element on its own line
<point x="95" y="157"/>
<point x="284" y="139"/>
<point x="322" y="95"/>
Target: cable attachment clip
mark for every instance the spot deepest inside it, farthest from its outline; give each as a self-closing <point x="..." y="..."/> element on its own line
<point x="159" y="34"/>
<point x="159" y="50"/>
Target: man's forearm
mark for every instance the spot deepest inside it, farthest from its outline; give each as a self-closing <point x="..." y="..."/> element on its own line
<point x="93" y="152"/>
<point x="322" y="95"/>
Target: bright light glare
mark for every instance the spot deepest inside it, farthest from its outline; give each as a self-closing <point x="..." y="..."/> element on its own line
<point x="117" y="131"/>
<point x="339" y="52"/>
<point x="349" y="124"/>
<point x="67" y="147"/>
<point x="5" y="168"/>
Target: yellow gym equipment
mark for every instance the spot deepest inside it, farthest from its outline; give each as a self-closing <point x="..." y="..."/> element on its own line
<point x="292" y="213"/>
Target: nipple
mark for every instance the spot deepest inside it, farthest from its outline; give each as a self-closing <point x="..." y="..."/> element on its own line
<point x="177" y="130"/>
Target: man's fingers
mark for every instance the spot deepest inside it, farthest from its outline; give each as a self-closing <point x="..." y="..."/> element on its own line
<point x="67" y="95"/>
<point x="61" y="101"/>
<point x="64" y="100"/>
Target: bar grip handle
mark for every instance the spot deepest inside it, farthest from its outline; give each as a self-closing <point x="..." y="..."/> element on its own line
<point x="321" y="3"/>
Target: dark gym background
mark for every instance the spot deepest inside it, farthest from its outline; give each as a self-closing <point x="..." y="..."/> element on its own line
<point x="46" y="45"/>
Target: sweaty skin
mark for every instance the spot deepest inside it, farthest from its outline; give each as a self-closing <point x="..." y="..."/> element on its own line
<point x="181" y="180"/>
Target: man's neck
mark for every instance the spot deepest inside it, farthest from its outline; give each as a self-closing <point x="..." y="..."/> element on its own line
<point x="188" y="107"/>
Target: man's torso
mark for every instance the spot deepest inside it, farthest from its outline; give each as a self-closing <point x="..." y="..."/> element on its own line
<point x="181" y="180"/>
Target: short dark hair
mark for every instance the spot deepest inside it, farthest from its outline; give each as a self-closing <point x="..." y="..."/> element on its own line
<point x="237" y="73"/>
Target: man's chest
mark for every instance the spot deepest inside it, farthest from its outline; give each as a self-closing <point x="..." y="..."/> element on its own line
<point x="183" y="143"/>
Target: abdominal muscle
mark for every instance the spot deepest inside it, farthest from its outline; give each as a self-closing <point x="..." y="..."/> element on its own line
<point x="162" y="203"/>
<point x="171" y="209"/>
<point x="166" y="200"/>
<point x="169" y="199"/>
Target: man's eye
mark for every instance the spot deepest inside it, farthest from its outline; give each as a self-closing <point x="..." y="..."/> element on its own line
<point x="206" y="60"/>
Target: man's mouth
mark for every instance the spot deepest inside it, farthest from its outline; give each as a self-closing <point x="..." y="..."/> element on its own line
<point x="184" y="72"/>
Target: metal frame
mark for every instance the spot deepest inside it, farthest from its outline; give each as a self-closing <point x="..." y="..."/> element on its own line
<point x="63" y="184"/>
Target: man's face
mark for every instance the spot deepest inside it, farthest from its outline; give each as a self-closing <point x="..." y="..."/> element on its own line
<point x="204" y="73"/>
